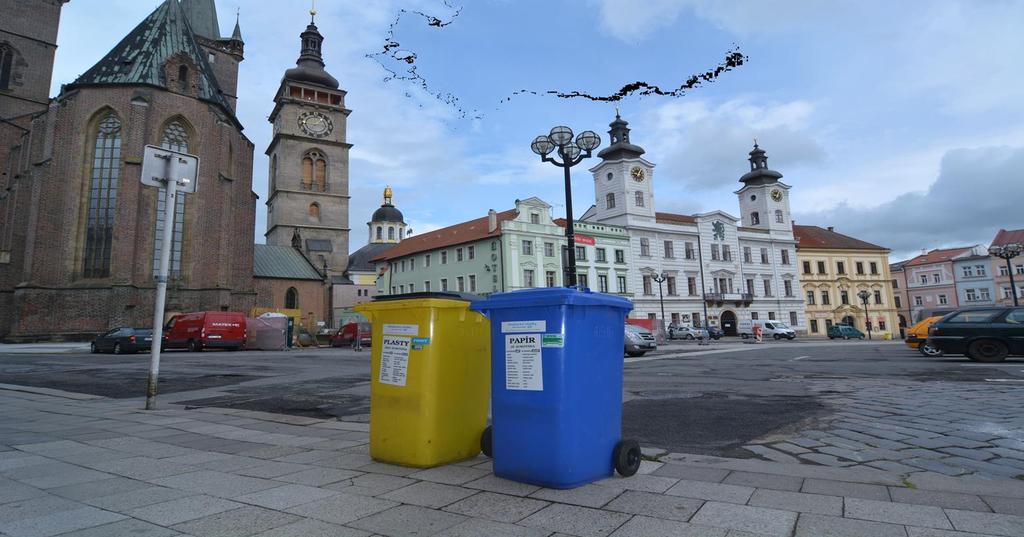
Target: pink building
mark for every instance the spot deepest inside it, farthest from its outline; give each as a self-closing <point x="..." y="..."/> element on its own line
<point x="931" y="281"/>
<point x="1002" y="272"/>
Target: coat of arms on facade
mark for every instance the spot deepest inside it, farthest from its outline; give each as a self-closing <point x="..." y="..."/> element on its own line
<point x="719" y="229"/>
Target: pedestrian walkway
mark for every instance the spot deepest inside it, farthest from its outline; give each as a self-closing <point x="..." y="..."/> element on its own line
<point x="96" y="467"/>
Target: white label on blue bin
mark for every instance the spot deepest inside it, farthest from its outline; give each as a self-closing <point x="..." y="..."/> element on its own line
<point x="523" y="366"/>
<point x="394" y="360"/>
<point x="523" y="326"/>
<point x="401" y="329"/>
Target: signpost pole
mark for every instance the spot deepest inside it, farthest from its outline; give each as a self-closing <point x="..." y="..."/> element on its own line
<point x="170" y="189"/>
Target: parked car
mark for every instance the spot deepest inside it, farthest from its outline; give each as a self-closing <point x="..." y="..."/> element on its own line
<point x="917" y="337"/>
<point x="205" y="329"/>
<point x="123" y="340"/>
<point x="844" y="331"/>
<point x="639" y="340"/>
<point x="678" y="331"/>
<point x="770" y="329"/>
<point x="347" y="334"/>
<point x="982" y="334"/>
<point x="715" y="332"/>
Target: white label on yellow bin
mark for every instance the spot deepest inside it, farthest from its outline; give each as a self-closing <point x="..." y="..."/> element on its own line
<point x="523" y="326"/>
<point x="394" y="360"/>
<point x="523" y="366"/>
<point x="401" y="329"/>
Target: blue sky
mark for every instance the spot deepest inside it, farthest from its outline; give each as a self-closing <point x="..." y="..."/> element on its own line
<point x="899" y="123"/>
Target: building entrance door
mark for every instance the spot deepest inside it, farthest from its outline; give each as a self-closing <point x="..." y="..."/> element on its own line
<point x="848" y="320"/>
<point x="728" y="323"/>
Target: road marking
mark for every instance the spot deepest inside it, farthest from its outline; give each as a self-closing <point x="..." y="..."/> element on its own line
<point x="687" y="354"/>
<point x="799" y="358"/>
<point x="1004" y="380"/>
<point x="989" y="365"/>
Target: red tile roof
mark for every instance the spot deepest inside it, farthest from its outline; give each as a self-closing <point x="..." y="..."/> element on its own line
<point x="470" y="231"/>
<point x="672" y="218"/>
<point x="937" y="256"/>
<point x="1005" y="237"/>
<point x="819" y="237"/>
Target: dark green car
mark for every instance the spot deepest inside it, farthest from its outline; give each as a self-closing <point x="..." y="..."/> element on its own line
<point x="844" y="331"/>
<point x="982" y="334"/>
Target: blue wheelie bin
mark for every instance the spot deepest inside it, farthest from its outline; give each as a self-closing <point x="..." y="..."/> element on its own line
<point x="556" y="386"/>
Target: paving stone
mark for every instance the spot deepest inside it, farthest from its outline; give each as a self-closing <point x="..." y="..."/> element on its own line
<point x="990" y="469"/>
<point x="143" y="468"/>
<point x="504" y="486"/>
<point x="183" y="510"/>
<point x="409" y="521"/>
<point x="824" y="459"/>
<point x="771" y="454"/>
<point x="427" y="494"/>
<point x="932" y="532"/>
<point x="312" y="528"/>
<point x="236" y="523"/>
<point x="988" y="523"/>
<point x="59" y="522"/>
<point x="896" y="513"/>
<point x="937" y="466"/>
<point x="976" y="454"/>
<point x="318" y="477"/>
<point x="849" y="454"/>
<point x="449" y="475"/>
<point x="216" y="483"/>
<point x="790" y="448"/>
<point x="12" y="491"/>
<point x="798" y="501"/>
<point x="712" y="491"/>
<point x="36" y="507"/>
<point x="132" y="499"/>
<point x="648" y="467"/>
<point x="891" y="466"/>
<point x="272" y="469"/>
<point x="382" y="468"/>
<point x="476" y="528"/>
<point x="746" y="518"/>
<point x="655" y="505"/>
<point x="95" y="489"/>
<point x="642" y="526"/>
<point x="127" y="527"/>
<point x="574" y="520"/>
<point x="764" y="481"/>
<point x="286" y="496"/>
<point x="497" y="507"/>
<point x="692" y="473"/>
<point x="587" y="496"/>
<point x="841" y="488"/>
<point x="1006" y="506"/>
<point x="342" y="508"/>
<point x="806" y="442"/>
<point x="810" y="525"/>
<point x="951" y="500"/>
<point x="644" y="483"/>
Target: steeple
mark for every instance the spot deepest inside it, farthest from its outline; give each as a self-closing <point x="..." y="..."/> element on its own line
<point x="236" y="35"/>
<point x="202" y="17"/>
<point x="310" y="65"/>
<point x="759" y="173"/>
<point x="620" y="147"/>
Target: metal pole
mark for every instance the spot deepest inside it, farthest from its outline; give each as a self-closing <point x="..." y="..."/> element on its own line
<point x="867" y="318"/>
<point x="661" y="299"/>
<point x="170" y="188"/>
<point x="703" y="288"/>
<point x="1013" y="286"/>
<point x="570" y="234"/>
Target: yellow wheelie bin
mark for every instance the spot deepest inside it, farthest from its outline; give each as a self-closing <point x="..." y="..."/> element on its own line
<point x="429" y="378"/>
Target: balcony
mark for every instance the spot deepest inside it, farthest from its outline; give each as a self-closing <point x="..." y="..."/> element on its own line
<point x="739" y="299"/>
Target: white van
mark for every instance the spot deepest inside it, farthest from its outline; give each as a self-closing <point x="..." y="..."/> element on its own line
<point x="769" y="329"/>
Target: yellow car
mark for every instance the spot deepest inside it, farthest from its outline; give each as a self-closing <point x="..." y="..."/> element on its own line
<point x="917" y="337"/>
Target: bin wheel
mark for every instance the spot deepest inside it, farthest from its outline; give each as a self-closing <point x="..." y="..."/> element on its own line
<point x="487" y="442"/>
<point x="627" y="457"/>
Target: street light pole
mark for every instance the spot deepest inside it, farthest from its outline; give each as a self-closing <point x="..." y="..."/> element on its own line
<point x="1008" y="252"/>
<point x="572" y="153"/>
<point x="867" y="319"/>
<point x="661" y="297"/>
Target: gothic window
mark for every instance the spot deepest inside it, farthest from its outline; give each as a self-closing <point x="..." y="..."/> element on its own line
<point x="754" y="218"/>
<point x="176" y="138"/>
<point x="102" y="197"/>
<point x="778" y="216"/>
<point x="314" y="211"/>
<point x="291" y="299"/>
<point x="314" y="171"/>
<point x="610" y="199"/>
<point x="6" y="66"/>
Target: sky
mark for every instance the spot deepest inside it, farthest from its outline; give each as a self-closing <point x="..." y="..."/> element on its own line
<point x="899" y="123"/>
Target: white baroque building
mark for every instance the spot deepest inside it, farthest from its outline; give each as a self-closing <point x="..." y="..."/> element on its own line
<point x="718" y="269"/>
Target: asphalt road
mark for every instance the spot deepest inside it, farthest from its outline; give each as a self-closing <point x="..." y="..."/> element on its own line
<point x="683" y="398"/>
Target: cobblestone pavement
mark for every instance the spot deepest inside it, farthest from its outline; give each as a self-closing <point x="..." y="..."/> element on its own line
<point x="950" y="428"/>
<point x="85" y="466"/>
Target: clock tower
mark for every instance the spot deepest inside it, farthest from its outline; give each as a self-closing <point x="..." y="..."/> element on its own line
<point x="623" y="181"/>
<point x="764" y="200"/>
<point x="307" y="202"/>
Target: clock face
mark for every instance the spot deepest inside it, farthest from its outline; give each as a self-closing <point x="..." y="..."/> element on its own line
<point x="777" y="195"/>
<point x="637" y="173"/>
<point x="315" y="124"/>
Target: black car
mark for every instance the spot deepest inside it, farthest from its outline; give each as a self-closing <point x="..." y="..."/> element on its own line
<point x="982" y="334"/>
<point x="715" y="332"/>
<point x="123" y="340"/>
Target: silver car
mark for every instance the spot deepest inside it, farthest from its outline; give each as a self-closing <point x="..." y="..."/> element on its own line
<point x="683" y="332"/>
<point x="639" y="340"/>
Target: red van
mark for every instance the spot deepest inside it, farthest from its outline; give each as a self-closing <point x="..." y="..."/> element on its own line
<point x="199" y="330"/>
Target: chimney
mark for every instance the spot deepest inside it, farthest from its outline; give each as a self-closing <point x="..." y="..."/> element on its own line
<point x="831" y="228"/>
<point x="492" y="221"/>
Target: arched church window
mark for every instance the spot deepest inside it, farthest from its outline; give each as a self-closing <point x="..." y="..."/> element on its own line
<point x="380" y="233"/>
<point x="102" y="197"/>
<point x="6" y="66"/>
<point x="314" y="211"/>
<point x="610" y="200"/>
<point x="314" y="171"/>
<point x="183" y="78"/>
<point x="391" y="233"/>
<point x="755" y="219"/>
<point x="778" y="216"/>
<point x="291" y="299"/>
<point x="176" y="138"/>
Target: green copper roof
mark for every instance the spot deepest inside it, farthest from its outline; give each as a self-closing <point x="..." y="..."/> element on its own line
<point x="139" y="58"/>
<point x="282" y="262"/>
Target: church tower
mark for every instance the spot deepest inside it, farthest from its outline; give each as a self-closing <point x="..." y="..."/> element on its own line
<point x="387" y="225"/>
<point x="308" y="196"/>
<point x="623" y="181"/>
<point x="764" y="200"/>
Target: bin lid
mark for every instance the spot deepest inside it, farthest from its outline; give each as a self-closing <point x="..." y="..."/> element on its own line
<point x="550" y="296"/>
<point x="445" y="295"/>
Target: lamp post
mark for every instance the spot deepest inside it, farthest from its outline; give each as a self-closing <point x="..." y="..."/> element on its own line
<point x="1008" y="252"/>
<point x="863" y="294"/>
<point x="572" y="153"/>
<point x="661" y="297"/>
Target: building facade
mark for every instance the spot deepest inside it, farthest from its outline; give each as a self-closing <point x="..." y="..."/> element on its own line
<point x="81" y="234"/>
<point x="931" y="280"/>
<point x="286" y="280"/>
<point x="1002" y="272"/>
<point x="385" y="229"/>
<point x="834" y="270"/>
<point x="972" y="271"/>
<point x="900" y="295"/>
<point x="737" y="270"/>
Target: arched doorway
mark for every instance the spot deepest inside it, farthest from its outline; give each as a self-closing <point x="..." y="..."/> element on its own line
<point x="728" y="323"/>
<point x="848" y="320"/>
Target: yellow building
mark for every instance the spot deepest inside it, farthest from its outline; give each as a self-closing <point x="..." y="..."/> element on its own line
<point x="835" y="268"/>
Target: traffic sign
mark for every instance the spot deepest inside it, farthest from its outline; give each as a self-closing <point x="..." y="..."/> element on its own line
<point x="158" y="164"/>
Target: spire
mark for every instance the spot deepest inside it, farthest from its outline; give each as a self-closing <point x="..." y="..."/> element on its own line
<point x="620" y="147"/>
<point x="236" y="35"/>
<point x="202" y="17"/>
<point x="759" y="173"/>
<point x="310" y="65"/>
<point x="387" y="195"/>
